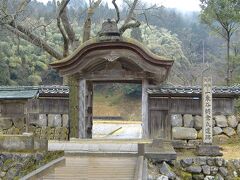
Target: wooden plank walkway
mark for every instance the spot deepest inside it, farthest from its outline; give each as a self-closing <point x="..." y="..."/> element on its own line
<point x="97" y="168"/>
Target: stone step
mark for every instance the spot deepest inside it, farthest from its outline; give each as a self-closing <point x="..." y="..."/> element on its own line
<point x="95" y="168"/>
<point x="107" y="168"/>
<point x="85" y="177"/>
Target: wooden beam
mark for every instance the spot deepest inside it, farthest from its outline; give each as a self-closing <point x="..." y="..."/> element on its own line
<point x="115" y="75"/>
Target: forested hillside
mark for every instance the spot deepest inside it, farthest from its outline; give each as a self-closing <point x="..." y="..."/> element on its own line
<point x="167" y="32"/>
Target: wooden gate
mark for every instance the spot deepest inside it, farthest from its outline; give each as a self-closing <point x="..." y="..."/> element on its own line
<point x="159" y="121"/>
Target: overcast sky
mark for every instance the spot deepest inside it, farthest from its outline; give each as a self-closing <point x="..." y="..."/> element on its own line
<point x="183" y="5"/>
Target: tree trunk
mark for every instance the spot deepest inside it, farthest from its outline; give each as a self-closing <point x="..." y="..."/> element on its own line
<point x="228" y="59"/>
<point x="87" y="29"/>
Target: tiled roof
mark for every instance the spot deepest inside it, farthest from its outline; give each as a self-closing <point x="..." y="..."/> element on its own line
<point x="19" y="92"/>
<point x="193" y="90"/>
<point x="28" y="92"/>
<point x="53" y="90"/>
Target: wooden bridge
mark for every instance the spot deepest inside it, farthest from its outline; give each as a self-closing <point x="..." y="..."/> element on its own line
<point x="104" y="159"/>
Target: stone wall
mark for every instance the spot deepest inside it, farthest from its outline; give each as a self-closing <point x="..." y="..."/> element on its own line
<point x="22" y="143"/>
<point x="197" y="168"/>
<point x="50" y="126"/>
<point x="10" y="125"/>
<point x="16" y="165"/>
<point x="187" y="129"/>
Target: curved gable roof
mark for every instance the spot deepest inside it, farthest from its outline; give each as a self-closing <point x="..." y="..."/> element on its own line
<point x="66" y="65"/>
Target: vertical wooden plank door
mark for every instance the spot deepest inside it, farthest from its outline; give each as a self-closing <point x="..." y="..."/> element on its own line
<point x="159" y="126"/>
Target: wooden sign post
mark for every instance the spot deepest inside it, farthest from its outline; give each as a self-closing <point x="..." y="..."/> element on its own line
<point x="207" y="110"/>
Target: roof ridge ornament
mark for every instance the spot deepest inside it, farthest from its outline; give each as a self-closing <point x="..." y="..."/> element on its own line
<point x="109" y="30"/>
<point x="112" y="56"/>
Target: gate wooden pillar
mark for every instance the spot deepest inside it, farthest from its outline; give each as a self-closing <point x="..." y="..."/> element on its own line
<point x="85" y="108"/>
<point x="73" y="105"/>
<point x="145" y="127"/>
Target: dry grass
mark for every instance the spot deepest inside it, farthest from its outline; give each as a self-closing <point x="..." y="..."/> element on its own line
<point x="102" y="106"/>
<point x="117" y="105"/>
<point x="231" y="149"/>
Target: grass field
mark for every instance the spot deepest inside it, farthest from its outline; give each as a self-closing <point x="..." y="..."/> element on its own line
<point x="117" y="105"/>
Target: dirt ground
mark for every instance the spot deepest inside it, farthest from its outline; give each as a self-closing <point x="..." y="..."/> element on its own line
<point x="231" y="151"/>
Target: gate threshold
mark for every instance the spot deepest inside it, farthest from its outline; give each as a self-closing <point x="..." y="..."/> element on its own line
<point x="100" y="145"/>
<point x="160" y="149"/>
<point x="111" y="141"/>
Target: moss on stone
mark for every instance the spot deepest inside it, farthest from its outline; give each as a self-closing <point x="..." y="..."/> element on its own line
<point x="185" y="175"/>
<point x="181" y="173"/>
<point x="19" y="151"/>
<point x="16" y="178"/>
<point x="7" y="164"/>
<point x="231" y="168"/>
<point x="13" y="130"/>
<point x="34" y="163"/>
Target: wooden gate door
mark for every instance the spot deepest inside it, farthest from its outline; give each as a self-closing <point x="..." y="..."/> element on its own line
<point x="159" y="125"/>
<point x="85" y="109"/>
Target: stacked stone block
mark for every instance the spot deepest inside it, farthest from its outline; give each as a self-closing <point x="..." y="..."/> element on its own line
<point x="198" y="168"/>
<point x="187" y="129"/>
<point x="16" y="165"/>
<point x="51" y="126"/>
<point x="12" y="125"/>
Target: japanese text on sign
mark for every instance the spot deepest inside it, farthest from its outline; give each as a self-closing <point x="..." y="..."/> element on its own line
<point x="207" y="109"/>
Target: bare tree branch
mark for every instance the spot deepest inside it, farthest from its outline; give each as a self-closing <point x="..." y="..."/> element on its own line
<point x="61" y="7"/>
<point x="4" y="7"/>
<point x="67" y="26"/>
<point x="22" y="6"/>
<point x="65" y="38"/>
<point x="88" y="21"/>
<point x="153" y="7"/>
<point x="32" y="38"/>
<point x="87" y="27"/>
<point x="132" y="24"/>
<point x="5" y="16"/>
<point x="146" y="19"/>
<point x="38" y="25"/>
<point x="131" y="12"/>
<point x="117" y="10"/>
<point x="127" y="23"/>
